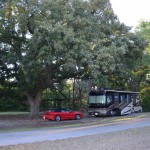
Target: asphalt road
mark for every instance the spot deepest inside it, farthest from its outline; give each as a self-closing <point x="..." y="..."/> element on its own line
<point x="50" y="134"/>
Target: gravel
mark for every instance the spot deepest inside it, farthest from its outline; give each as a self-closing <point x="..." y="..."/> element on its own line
<point x="131" y="139"/>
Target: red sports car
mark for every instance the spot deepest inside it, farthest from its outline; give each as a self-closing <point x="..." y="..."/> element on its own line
<point x="62" y="114"/>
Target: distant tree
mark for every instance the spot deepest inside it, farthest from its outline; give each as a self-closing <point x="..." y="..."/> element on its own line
<point x="130" y="71"/>
<point x="144" y="29"/>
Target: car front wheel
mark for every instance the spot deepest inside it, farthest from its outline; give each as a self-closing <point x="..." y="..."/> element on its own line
<point x="78" y="117"/>
<point x="57" y="118"/>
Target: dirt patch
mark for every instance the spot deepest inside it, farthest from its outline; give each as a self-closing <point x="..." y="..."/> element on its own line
<point x="18" y="122"/>
<point x="22" y="121"/>
<point x="8" y="122"/>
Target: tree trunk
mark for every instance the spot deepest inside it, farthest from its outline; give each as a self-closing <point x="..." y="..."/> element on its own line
<point x="34" y="103"/>
<point x="80" y="99"/>
<point x="73" y="96"/>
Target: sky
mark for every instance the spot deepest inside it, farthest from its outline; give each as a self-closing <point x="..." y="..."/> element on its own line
<point x="131" y="12"/>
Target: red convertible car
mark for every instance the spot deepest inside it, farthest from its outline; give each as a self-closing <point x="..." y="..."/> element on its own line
<point x="62" y="114"/>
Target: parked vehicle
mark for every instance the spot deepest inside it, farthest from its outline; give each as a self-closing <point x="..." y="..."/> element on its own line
<point x="113" y="102"/>
<point x="62" y="114"/>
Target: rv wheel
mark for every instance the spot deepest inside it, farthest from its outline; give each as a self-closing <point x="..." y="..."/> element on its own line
<point x="111" y="113"/>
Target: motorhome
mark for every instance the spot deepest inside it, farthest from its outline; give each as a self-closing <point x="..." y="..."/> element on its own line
<point x="103" y="102"/>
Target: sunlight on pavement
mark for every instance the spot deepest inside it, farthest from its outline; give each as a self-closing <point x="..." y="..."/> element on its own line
<point x="129" y="118"/>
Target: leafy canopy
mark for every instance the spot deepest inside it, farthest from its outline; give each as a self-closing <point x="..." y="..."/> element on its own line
<point x="44" y="41"/>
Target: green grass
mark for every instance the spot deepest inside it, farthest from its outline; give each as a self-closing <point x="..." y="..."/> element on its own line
<point x="13" y="113"/>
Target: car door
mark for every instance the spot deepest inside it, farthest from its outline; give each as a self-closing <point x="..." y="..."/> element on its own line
<point x="64" y="114"/>
<point x="71" y="114"/>
<point x="67" y="114"/>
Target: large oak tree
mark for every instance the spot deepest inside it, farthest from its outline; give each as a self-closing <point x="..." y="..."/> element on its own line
<point x="44" y="41"/>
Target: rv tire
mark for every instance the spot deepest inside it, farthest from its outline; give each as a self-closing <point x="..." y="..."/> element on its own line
<point x="111" y="113"/>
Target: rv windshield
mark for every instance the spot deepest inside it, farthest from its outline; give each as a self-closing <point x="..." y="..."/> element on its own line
<point x="98" y="99"/>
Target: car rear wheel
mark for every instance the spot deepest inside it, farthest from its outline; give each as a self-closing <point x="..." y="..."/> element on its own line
<point x="57" y="118"/>
<point x="78" y="117"/>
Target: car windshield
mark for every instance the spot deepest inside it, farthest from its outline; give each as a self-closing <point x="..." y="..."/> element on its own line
<point x="59" y="110"/>
<point x="98" y="99"/>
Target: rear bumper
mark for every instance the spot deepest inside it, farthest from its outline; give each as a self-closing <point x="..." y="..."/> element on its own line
<point x="48" y="117"/>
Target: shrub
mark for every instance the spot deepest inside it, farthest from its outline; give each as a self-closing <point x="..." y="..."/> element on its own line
<point x="145" y="95"/>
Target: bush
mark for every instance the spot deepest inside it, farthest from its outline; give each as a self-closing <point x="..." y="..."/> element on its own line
<point x="145" y="95"/>
<point x="11" y="99"/>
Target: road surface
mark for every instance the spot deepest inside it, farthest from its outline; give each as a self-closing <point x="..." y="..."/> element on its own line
<point x="50" y="134"/>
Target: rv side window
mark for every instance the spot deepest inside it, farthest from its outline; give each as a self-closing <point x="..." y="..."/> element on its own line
<point x="109" y="99"/>
<point x="137" y="101"/>
<point x="116" y="98"/>
<point x="128" y="98"/>
<point x="122" y="98"/>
